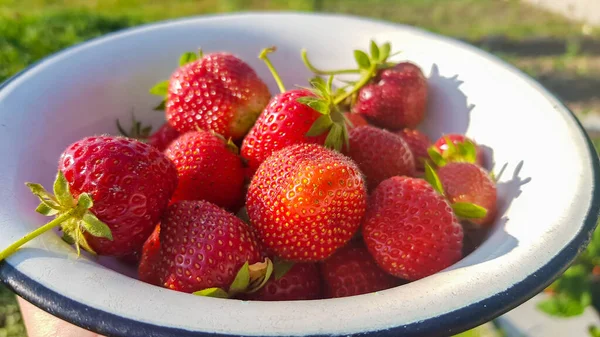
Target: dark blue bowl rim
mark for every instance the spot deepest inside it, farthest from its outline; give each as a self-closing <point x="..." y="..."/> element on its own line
<point x="447" y="324"/>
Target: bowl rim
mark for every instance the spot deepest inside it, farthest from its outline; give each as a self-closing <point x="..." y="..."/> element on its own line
<point x="449" y="323"/>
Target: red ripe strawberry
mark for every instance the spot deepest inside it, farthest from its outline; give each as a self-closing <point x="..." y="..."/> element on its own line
<point x="218" y="92"/>
<point x="162" y="137"/>
<point x="284" y="122"/>
<point x="294" y="117"/>
<point x="150" y="258"/>
<point x="353" y="271"/>
<point x="418" y="143"/>
<point x="301" y="282"/>
<point x="203" y="246"/>
<point x="469" y="183"/>
<point x="395" y="99"/>
<point x="108" y="195"/>
<point x="453" y="153"/>
<point x="380" y="154"/>
<point x="356" y="120"/>
<point x="208" y="168"/>
<point x="306" y="201"/>
<point x="410" y="229"/>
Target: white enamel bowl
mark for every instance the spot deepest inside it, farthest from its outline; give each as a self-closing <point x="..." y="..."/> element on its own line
<point x="549" y="202"/>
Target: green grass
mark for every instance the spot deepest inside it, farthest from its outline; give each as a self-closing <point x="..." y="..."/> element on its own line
<point x="11" y="324"/>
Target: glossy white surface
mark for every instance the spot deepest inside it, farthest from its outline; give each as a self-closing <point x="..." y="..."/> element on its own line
<point x="83" y="91"/>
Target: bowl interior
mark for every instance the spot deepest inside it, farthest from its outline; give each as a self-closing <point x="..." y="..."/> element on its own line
<point x="536" y="144"/>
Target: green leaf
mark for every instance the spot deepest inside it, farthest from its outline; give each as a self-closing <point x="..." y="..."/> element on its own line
<point x="187" y="57"/>
<point x="468" y="210"/>
<point x="160" y="89"/>
<point x="319" y="85"/>
<point x="384" y="51"/>
<point x="281" y="267"/>
<point x="594" y="331"/>
<point x="241" y="281"/>
<point x="320" y="126"/>
<point x="436" y="157"/>
<point x="451" y="148"/>
<point x="334" y="138"/>
<point x="433" y="179"/>
<point x="374" y="51"/>
<point x="259" y="275"/>
<point x="315" y="103"/>
<point x="94" y="226"/>
<point x="212" y="292"/>
<point x="161" y="106"/>
<point x="44" y="209"/>
<point x="68" y="238"/>
<point x="80" y="241"/>
<point x="468" y="151"/>
<point x="85" y="201"/>
<point x="561" y="306"/>
<point x="44" y="196"/>
<point x="362" y="59"/>
<point x="61" y="191"/>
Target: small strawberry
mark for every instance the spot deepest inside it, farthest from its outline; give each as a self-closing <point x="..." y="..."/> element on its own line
<point x="352" y="271"/>
<point x="356" y="120"/>
<point x="160" y="139"/>
<point x="410" y="229"/>
<point x="208" y="251"/>
<point x="418" y="143"/>
<point x="457" y="147"/>
<point x="469" y="183"/>
<point x="301" y="282"/>
<point x="217" y="92"/>
<point x="380" y="154"/>
<point x="209" y="168"/>
<point x="388" y="95"/>
<point x="294" y="117"/>
<point x="306" y="201"/>
<point x="150" y="258"/>
<point x="109" y="195"/>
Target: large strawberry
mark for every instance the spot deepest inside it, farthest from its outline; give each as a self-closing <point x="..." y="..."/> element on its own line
<point x="418" y="143"/>
<point x="456" y="148"/>
<point x="109" y="195"/>
<point x="150" y="259"/>
<point x="389" y="95"/>
<point x="209" y="168"/>
<point x="217" y="92"/>
<point x="353" y="271"/>
<point x="207" y="250"/>
<point x="380" y="154"/>
<point x="410" y="229"/>
<point x="306" y="201"/>
<point x="354" y="120"/>
<point x="294" y="117"/>
<point x="469" y="183"/>
<point x="301" y="282"/>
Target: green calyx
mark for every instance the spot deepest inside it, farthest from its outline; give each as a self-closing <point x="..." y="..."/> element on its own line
<point x="369" y="64"/>
<point x="248" y="280"/>
<point x="72" y="215"/>
<point x="463" y="210"/>
<point x="331" y="120"/>
<point x="465" y="152"/>
<point x="136" y="131"/>
<point x="162" y="88"/>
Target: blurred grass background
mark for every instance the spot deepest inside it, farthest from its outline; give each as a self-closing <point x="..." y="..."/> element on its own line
<point x="562" y="54"/>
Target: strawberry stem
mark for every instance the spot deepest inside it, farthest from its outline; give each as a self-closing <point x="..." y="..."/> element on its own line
<point x="325" y="72"/>
<point x="32" y="235"/>
<point x="363" y="81"/>
<point x="263" y="56"/>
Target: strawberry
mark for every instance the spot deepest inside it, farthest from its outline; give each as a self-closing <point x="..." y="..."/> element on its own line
<point x="411" y="230"/>
<point x="461" y="148"/>
<point x="160" y="139"/>
<point x="203" y="248"/>
<point x="294" y="117"/>
<point x="109" y="194"/>
<point x="356" y="120"/>
<point x="150" y="258"/>
<point x="209" y="168"/>
<point x="301" y="282"/>
<point x="469" y="183"/>
<point x="217" y="92"/>
<point x="380" y="154"/>
<point x="352" y="271"/>
<point x="389" y="95"/>
<point x="306" y="201"/>
<point x="418" y="143"/>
